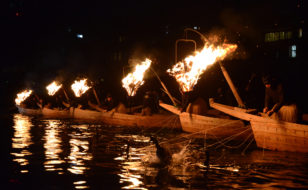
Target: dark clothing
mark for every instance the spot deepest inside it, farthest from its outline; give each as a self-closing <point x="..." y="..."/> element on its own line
<point x="274" y="97"/>
<point x="151" y="102"/>
<point x="31" y="102"/>
<point x="187" y="97"/>
<point x="108" y="104"/>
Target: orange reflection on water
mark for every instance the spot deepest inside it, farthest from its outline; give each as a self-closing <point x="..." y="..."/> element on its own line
<point x="21" y="140"/>
<point x="52" y="147"/>
<point x="131" y="168"/>
<point x="79" y="153"/>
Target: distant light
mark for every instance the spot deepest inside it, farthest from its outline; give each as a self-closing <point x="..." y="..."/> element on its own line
<point x="292" y="51"/>
<point x="195" y="27"/>
<point x="80" y="36"/>
<point x="17" y="14"/>
<point x="300" y="33"/>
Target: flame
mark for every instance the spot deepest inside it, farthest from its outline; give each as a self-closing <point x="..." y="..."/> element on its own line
<point x="53" y="88"/>
<point x="22" y="96"/>
<point x="80" y="87"/>
<point x="188" y="72"/>
<point x="134" y="80"/>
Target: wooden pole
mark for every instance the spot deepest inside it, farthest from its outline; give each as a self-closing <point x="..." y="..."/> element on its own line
<point x="66" y="96"/>
<point x="163" y="85"/>
<point x="231" y="85"/>
<point x="96" y="97"/>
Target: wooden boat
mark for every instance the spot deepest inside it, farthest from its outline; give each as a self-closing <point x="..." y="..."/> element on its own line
<point x="270" y="133"/>
<point x="56" y="113"/>
<point x="212" y="127"/>
<point x="45" y="112"/>
<point x="28" y="111"/>
<point x="134" y="120"/>
<point x="111" y="118"/>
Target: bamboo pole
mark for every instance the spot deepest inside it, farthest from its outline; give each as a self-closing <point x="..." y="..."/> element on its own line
<point x="163" y="85"/>
<point x="96" y="97"/>
<point x="66" y="96"/>
<point x="231" y="85"/>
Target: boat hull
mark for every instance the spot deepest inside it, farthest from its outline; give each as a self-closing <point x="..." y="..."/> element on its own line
<point x="51" y="113"/>
<point x="133" y="120"/>
<point x="27" y="111"/>
<point x="212" y="127"/>
<point x="280" y="136"/>
<point x="270" y="133"/>
<point x="110" y="118"/>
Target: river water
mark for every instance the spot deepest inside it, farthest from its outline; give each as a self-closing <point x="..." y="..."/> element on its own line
<point x="67" y="154"/>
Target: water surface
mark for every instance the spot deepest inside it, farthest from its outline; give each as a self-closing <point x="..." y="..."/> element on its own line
<point x="67" y="154"/>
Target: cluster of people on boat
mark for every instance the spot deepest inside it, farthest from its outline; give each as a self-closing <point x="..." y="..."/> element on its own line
<point x="277" y="103"/>
<point x="149" y="105"/>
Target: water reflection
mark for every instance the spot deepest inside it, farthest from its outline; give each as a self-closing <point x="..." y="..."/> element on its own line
<point x="94" y="156"/>
<point x="131" y="170"/>
<point x="21" y="140"/>
<point x="79" y="153"/>
<point x="132" y="166"/>
<point x="52" y="147"/>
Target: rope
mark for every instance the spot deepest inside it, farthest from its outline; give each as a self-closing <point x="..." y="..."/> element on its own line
<point x="222" y="143"/>
<point x="243" y="152"/>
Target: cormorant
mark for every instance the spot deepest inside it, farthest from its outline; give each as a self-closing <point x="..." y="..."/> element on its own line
<point x="163" y="154"/>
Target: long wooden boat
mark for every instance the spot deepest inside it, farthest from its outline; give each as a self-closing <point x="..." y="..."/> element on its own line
<point x="212" y="127"/>
<point x="111" y="118"/>
<point x="28" y="111"/>
<point x="134" y="120"/>
<point x="56" y="113"/>
<point x="45" y="112"/>
<point x="270" y="133"/>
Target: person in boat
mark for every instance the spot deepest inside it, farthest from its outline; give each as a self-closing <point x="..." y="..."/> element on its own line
<point x="275" y="103"/>
<point x="108" y="103"/>
<point x="192" y="103"/>
<point x="186" y="99"/>
<point x="149" y="104"/>
<point x="33" y="102"/>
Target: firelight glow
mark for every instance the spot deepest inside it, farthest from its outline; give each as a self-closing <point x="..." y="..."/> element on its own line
<point x="53" y="87"/>
<point x="134" y="80"/>
<point x="188" y="72"/>
<point x="22" y="96"/>
<point x="80" y="87"/>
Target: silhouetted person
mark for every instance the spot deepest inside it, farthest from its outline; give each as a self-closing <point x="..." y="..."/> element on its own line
<point x="108" y="103"/>
<point x="33" y="102"/>
<point x="149" y="104"/>
<point x="274" y="95"/>
<point x="186" y="99"/>
<point x="275" y="102"/>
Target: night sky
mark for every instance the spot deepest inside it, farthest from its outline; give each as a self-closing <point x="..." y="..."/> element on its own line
<point x="39" y="41"/>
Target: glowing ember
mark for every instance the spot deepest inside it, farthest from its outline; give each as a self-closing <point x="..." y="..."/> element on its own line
<point x="187" y="73"/>
<point x="22" y="96"/>
<point x="53" y="88"/>
<point x="80" y="87"/>
<point x="134" y="80"/>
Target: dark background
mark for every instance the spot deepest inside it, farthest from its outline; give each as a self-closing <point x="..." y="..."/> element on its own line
<point x="39" y="43"/>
